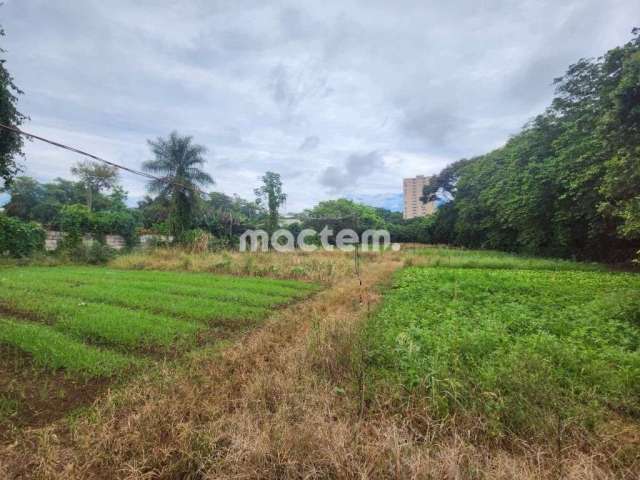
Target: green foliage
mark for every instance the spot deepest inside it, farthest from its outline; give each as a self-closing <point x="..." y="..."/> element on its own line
<point x="43" y="202"/>
<point x="178" y="161"/>
<point x="54" y="350"/>
<point x="567" y="185"/>
<point x="95" y="253"/>
<point x="341" y="214"/>
<point x="18" y="238"/>
<point x="418" y="230"/>
<point x="271" y="193"/>
<point x="10" y="142"/>
<point x="522" y="343"/>
<point x="109" y="222"/>
<point x="75" y="221"/>
<point x="95" y="176"/>
<point x="140" y="310"/>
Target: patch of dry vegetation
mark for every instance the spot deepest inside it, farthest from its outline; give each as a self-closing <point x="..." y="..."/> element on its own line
<point x="320" y="266"/>
<point x="290" y="401"/>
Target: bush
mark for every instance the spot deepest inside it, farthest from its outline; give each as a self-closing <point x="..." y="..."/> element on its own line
<point x="75" y="220"/>
<point x="115" y="222"/>
<point x="19" y="238"/>
<point x="96" y="253"/>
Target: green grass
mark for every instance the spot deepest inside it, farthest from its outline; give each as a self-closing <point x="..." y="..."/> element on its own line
<point x="288" y="288"/>
<point x="98" y="322"/>
<point x="52" y="349"/>
<point x="459" y="258"/>
<point x="522" y="344"/>
<point x="190" y="308"/>
<point x="128" y="311"/>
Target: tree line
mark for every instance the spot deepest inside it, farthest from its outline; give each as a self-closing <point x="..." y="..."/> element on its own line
<point x="567" y="185"/>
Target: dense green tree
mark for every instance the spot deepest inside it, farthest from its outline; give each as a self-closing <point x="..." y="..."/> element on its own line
<point x="228" y="216"/>
<point x="10" y="142"/>
<point x="271" y="194"/>
<point x="569" y="183"/>
<point x="42" y="202"/>
<point x="27" y="195"/>
<point x="341" y="214"/>
<point x="154" y="211"/>
<point x="178" y="161"/>
<point x="95" y="177"/>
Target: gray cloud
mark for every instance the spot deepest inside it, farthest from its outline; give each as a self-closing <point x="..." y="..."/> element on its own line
<point x="309" y="143"/>
<point x="426" y="82"/>
<point x="356" y="166"/>
<point x="438" y="126"/>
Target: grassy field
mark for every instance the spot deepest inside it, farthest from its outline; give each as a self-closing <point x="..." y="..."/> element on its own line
<point x="96" y="323"/>
<point x="432" y="363"/>
<point x="518" y="346"/>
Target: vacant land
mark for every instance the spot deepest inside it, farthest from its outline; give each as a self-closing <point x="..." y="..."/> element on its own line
<point x="96" y="324"/>
<point x="433" y="363"/>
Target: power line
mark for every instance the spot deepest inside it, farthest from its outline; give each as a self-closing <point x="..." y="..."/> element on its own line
<point x="99" y="159"/>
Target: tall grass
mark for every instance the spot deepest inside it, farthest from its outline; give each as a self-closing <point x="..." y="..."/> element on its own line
<point x="322" y="267"/>
<point x="462" y="258"/>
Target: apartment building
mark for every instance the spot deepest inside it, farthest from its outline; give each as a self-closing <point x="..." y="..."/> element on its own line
<point x="412" y="191"/>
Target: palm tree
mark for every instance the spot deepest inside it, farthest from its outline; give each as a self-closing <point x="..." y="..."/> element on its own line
<point x="177" y="162"/>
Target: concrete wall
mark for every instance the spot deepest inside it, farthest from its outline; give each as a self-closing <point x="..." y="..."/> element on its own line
<point x="54" y="238"/>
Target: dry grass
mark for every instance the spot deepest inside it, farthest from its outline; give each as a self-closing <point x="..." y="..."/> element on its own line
<point x="286" y="402"/>
<point x="324" y="267"/>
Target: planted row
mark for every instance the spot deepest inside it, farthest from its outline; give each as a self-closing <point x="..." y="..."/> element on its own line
<point x="189" y="308"/>
<point x="52" y="349"/>
<point x="261" y="285"/>
<point x="99" y="322"/>
<point x="149" y="288"/>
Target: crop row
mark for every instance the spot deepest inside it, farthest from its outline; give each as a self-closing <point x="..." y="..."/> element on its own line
<point x="216" y="292"/>
<point x="52" y="349"/>
<point x="190" y="308"/>
<point x="98" y="322"/>
<point x="288" y="288"/>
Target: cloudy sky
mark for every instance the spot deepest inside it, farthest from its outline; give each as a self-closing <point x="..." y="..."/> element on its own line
<point x="341" y="98"/>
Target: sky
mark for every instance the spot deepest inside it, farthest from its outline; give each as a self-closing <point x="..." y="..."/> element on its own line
<point x="342" y="98"/>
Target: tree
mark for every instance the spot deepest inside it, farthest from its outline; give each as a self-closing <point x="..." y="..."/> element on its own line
<point x="26" y="195"/>
<point x="95" y="177"/>
<point x="178" y="160"/>
<point x="342" y="214"/>
<point x="10" y="142"/>
<point x="271" y="192"/>
<point x="569" y="183"/>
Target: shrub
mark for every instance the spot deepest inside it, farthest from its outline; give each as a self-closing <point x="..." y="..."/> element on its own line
<point x="114" y="222"/>
<point x="19" y="238"/>
<point x="96" y="253"/>
<point x="75" y="220"/>
<point x="196" y="240"/>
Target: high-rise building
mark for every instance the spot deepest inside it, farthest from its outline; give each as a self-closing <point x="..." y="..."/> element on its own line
<point x="412" y="190"/>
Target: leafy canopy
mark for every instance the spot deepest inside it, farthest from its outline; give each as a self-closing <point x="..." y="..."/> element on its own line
<point x="178" y="163"/>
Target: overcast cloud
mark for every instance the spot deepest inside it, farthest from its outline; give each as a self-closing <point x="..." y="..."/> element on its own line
<point x="339" y="97"/>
